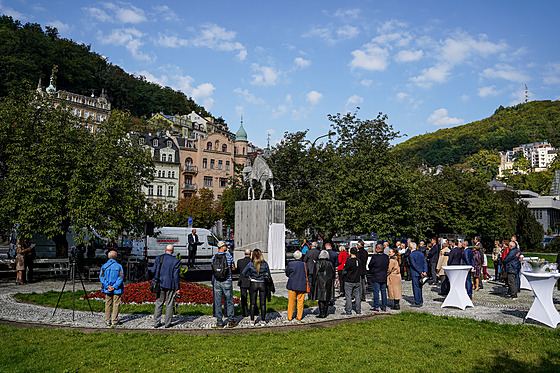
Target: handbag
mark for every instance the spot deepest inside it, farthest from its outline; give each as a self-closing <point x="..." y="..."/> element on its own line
<point x="306" y="279"/>
<point x="154" y="285"/>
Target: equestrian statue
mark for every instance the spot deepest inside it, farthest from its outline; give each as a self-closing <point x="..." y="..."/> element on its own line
<point x="259" y="172"/>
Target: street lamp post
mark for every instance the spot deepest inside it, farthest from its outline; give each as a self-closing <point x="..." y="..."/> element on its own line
<point x="331" y="133"/>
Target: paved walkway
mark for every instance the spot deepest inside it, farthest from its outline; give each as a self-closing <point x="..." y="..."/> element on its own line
<point x="490" y="304"/>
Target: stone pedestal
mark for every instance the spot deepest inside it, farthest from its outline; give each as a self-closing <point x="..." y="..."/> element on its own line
<point x="252" y="220"/>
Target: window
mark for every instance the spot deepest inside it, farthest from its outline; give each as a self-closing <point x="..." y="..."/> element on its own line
<point x="150" y="190"/>
<point x="217" y="146"/>
<point x="155" y="143"/>
<point x="188" y="162"/>
<point x="212" y="163"/>
<point x="207" y="181"/>
<point x="169" y="174"/>
<point x="223" y="182"/>
<point x="204" y="163"/>
<point x="224" y="148"/>
<point x="219" y="197"/>
<point x="164" y="158"/>
<point x="169" y="143"/>
<point x="188" y="179"/>
<point x="170" y="191"/>
<point x="170" y="158"/>
<point x="160" y="173"/>
<point x="220" y="165"/>
<point x="235" y="150"/>
<point x="141" y="140"/>
<point x="159" y="190"/>
<point x="227" y="165"/>
<point x="209" y="145"/>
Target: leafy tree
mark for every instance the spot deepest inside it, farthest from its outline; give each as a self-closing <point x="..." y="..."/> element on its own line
<point x="202" y="208"/>
<point x="55" y="173"/>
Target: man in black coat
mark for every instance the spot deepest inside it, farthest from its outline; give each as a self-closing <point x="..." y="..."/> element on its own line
<point x="454" y="258"/>
<point x="378" y="267"/>
<point x="310" y="259"/>
<point x="363" y="258"/>
<point x="244" y="282"/>
<point x="433" y="256"/>
<point x="193" y="244"/>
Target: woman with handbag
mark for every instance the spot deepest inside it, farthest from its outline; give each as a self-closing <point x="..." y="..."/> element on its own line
<point x="256" y="270"/>
<point x="298" y="285"/>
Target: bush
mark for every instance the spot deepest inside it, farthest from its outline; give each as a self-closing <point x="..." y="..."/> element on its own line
<point x="553" y="246"/>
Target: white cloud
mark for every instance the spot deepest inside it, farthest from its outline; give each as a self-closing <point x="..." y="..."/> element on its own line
<point x="211" y="36"/>
<point x="518" y="96"/>
<point x="507" y="72"/>
<point x="113" y="13"/>
<point x="441" y="118"/>
<point x="12" y="12"/>
<point x="347" y="32"/>
<point x="279" y="111"/>
<point x="465" y="98"/>
<point x="60" y="26"/>
<point x="166" y="13"/>
<point x="370" y="57"/>
<point x="247" y="96"/>
<point x="130" y="39"/>
<point x="402" y="95"/>
<point x="409" y="56"/>
<point x="366" y="82"/>
<point x="264" y="75"/>
<point x="354" y="100"/>
<point x="347" y="13"/>
<point x="435" y="74"/>
<point x="332" y="34"/>
<point x="313" y="97"/>
<point x="487" y="91"/>
<point x="301" y="62"/>
<point x="552" y="74"/>
<point x="202" y="93"/>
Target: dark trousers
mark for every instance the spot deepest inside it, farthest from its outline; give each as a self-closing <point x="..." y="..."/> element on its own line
<point x="29" y="265"/>
<point x="341" y="281"/>
<point x="468" y="285"/>
<point x="352" y="289"/>
<point x="260" y="289"/>
<point x="379" y="286"/>
<point x="496" y="270"/>
<point x="445" y="285"/>
<point x="433" y="266"/>
<point x="363" y="286"/>
<point x="512" y="284"/>
<point x="192" y="256"/>
<point x="417" y="290"/>
<point x="323" y="307"/>
<point x="244" y="306"/>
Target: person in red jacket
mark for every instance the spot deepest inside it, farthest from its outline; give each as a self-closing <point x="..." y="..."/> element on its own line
<point x="342" y="256"/>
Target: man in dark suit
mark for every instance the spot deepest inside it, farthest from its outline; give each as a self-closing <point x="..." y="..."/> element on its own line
<point x="166" y="272"/>
<point x="244" y="282"/>
<point x="468" y="259"/>
<point x="418" y="268"/>
<point x="333" y="257"/>
<point x="310" y="259"/>
<point x="433" y="256"/>
<point x="455" y="254"/>
<point x="378" y="267"/>
<point x="193" y="244"/>
<point x="363" y="258"/>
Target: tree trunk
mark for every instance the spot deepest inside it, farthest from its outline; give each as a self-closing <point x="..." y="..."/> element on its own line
<point x="60" y="241"/>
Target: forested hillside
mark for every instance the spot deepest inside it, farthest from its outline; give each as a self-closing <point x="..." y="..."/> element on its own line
<point x="27" y="53"/>
<point x="506" y="128"/>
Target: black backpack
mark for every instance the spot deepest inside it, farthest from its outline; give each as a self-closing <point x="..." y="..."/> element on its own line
<point x="220" y="267"/>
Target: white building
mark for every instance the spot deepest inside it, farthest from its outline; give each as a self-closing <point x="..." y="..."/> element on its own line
<point x="539" y="154"/>
<point x="545" y="208"/>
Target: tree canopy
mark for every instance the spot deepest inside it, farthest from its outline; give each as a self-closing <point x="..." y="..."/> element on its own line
<point x="55" y="173"/>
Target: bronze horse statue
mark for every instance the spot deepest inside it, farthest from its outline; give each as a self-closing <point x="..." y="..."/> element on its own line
<point x="259" y="172"/>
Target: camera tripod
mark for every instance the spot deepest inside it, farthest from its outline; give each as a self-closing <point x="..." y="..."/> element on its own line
<point x="72" y="274"/>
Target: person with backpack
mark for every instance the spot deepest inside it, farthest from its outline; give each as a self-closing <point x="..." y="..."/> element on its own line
<point x="222" y="265"/>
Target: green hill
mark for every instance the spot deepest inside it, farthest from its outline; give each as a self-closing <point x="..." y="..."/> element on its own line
<point x="28" y="53"/>
<point x="505" y="129"/>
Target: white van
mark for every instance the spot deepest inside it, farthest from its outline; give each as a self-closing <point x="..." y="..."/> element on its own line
<point x="178" y="237"/>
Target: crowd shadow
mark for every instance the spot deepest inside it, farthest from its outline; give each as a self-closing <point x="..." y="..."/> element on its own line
<point x="506" y="361"/>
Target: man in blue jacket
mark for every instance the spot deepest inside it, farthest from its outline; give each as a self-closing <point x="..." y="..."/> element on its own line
<point x="418" y="268"/>
<point x="468" y="260"/>
<point x="166" y="272"/>
<point x="111" y="277"/>
<point x="378" y="266"/>
<point x="512" y="266"/>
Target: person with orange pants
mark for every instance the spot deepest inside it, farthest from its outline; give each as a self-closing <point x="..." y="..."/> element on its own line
<point x="298" y="285"/>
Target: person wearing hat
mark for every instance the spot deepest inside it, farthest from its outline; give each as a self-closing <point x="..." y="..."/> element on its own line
<point x="223" y="289"/>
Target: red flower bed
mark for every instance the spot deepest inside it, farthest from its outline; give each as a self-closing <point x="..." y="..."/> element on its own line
<point x="139" y="292"/>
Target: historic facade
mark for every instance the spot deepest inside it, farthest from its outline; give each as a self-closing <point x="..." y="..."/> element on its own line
<point x="164" y="190"/>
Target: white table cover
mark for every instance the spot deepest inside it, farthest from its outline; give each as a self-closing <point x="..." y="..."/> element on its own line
<point x="457" y="297"/>
<point x="277" y="246"/>
<point x="543" y="309"/>
<point x="525" y="267"/>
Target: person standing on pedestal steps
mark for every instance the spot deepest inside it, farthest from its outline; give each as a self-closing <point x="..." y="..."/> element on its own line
<point x="193" y="245"/>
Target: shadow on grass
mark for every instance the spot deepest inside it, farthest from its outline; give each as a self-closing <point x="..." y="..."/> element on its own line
<point x="509" y="360"/>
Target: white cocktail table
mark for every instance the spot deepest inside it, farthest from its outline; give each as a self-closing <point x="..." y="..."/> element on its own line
<point x="457" y="296"/>
<point x="543" y="309"/>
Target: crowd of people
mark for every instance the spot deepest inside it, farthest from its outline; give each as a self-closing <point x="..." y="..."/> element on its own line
<point x="316" y="273"/>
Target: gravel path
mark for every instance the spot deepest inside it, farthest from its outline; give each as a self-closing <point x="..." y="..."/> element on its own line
<point x="489" y="304"/>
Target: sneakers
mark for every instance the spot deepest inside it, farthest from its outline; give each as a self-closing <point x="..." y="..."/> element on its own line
<point x="373" y="309"/>
<point x="346" y="313"/>
<point x="251" y="323"/>
<point x="232" y="324"/>
<point x="108" y="323"/>
<point x="417" y="305"/>
<point x="218" y="325"/>
<point x="262" y="323"/>
<point x="158" y="325"/>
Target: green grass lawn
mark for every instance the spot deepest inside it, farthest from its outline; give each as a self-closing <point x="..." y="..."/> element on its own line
<point x="50" y="298"/>
<point x="407" y="342"/>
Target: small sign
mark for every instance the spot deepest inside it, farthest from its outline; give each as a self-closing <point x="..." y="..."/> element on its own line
<point x="190" y="221"/>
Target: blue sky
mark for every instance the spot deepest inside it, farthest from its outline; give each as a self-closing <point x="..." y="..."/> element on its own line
<point x="286" y="64"/>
